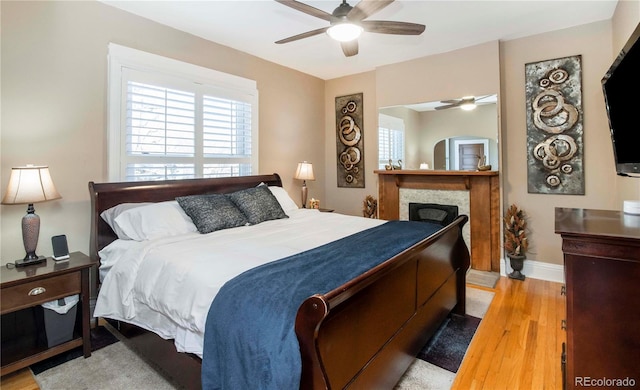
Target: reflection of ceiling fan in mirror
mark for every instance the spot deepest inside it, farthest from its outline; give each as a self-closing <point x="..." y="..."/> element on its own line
<point x="347" y="22"/>
<point x="466" y="103"/>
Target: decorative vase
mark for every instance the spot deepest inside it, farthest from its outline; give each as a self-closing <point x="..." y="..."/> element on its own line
<point x="517" y="263"/>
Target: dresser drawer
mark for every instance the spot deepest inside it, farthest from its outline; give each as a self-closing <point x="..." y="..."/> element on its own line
<point x="40" y="291"/>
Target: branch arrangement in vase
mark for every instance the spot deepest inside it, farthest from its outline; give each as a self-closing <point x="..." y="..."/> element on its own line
<point x="515" y="236"/>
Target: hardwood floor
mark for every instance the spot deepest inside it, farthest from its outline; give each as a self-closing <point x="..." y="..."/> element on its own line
<point x="519" y="341"/>
<point x="517" y="345"/>
<point x="19" y="380"/>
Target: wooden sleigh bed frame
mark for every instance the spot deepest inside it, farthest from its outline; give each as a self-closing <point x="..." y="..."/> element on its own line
<point x="362" y="335"/>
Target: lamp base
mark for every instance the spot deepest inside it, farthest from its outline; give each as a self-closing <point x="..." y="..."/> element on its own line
<point x="25" y="262"/>
<point x="304" y="194"/>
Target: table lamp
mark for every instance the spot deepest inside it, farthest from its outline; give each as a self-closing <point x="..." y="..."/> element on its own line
<point x="304" y="173"/>
<point x="28" y="185"/>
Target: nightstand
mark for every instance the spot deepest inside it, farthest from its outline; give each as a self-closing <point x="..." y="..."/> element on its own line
<point x="27" y="287"/>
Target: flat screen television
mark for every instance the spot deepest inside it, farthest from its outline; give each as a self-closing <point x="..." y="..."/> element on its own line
<point x="620" y="84"/>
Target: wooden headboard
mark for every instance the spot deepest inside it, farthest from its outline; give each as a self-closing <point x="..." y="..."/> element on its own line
<point x="107" y="195"/>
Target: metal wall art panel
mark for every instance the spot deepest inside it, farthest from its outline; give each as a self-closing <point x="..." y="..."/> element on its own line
<point x="350" y="141"/>
<point x="554" y="126"/>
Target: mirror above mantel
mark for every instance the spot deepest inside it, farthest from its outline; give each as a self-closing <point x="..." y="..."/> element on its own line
<point x="439" y="138"/>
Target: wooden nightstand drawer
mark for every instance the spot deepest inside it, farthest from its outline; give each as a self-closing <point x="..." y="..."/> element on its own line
<point x="39" y="291"/>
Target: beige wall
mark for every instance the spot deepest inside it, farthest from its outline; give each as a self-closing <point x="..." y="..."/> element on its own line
<point x="54" y="79"/>
<point x="624" y="21"/>
<point x="472" y="71"/>
<point x="593" y="43"/>
<point x="349" y="200"/>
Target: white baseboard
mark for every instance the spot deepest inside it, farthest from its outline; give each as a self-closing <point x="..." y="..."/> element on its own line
<point x="536" y="270"/>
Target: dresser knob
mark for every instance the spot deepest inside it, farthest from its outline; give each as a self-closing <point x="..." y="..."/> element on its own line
<point x="563" y="290"/>
<point x="563" y="324"/>
<point x="37" y="291"/>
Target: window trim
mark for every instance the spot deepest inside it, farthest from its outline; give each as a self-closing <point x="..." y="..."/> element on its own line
<point x="121" y="57"/>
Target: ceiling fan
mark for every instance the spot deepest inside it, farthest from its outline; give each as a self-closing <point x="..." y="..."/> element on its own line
<point x="466" y="103"/>
<point x="347" y="22"/>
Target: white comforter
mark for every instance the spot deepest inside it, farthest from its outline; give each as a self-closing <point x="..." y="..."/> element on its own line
<point x="167" y="285"/>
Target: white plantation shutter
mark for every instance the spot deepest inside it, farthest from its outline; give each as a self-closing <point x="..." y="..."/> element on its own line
<point x="160" y="121"/>
<point x="220" y="115"/>
<point x="390" y="140"/>
<point x="178" y="126"/>
<point x="160" y="126"/>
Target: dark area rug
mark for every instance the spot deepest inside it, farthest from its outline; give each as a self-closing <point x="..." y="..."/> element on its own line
<point x="100" y="338"/>
<point x="448" y="345"/>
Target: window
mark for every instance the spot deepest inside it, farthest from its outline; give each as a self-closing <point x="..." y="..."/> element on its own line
<point x="173" y="120"/>
<point x="390" y="140"/>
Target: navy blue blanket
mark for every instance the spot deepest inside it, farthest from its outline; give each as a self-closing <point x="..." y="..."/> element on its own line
<point x="250" y="341"/>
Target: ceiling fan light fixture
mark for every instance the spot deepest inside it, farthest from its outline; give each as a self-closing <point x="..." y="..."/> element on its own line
<point x="468" y="106"/>
<point x="468" y="103"/>
<point x="344" y="32"/>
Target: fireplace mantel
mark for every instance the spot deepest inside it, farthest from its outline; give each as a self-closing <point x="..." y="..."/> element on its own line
<point x="484" y="205"/>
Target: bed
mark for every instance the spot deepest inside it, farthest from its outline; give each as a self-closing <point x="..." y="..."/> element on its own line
<point x="362" y="333"/>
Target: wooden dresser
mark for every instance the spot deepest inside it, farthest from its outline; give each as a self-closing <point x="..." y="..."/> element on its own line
<point x="602" y="273"/>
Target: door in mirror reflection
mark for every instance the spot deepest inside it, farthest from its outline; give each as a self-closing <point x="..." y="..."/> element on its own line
<point x="469" y="156"/>
<point x="460" y="153"/>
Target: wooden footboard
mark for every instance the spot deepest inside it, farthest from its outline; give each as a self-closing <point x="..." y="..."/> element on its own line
<point x="363" y="334"/>
<point x="366" y="333"/>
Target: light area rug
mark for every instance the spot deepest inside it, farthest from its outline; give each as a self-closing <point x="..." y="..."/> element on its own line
<point x="426" y="376"/>
<point x="482" y="278"/>
<point x="113" y="367"/>
<point x="118" y="367"/>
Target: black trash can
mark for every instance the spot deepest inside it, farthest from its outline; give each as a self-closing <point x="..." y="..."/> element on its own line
<point x="60" y="319"/>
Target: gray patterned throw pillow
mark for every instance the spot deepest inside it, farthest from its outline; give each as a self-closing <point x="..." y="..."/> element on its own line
<point x="258" y="204"/>
<point x="212" y="212"/>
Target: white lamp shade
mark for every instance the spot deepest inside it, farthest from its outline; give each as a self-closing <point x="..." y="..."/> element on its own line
<point x="304" y="171"/>
<point x="344" y="32"/>
<point x="30" y="184"/>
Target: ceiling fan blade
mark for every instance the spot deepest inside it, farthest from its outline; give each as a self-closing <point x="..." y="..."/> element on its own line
<point x="366" y="8"/>
<point x="483" y="97"/>
<point x="350" y="48"/>
<point x="303" y="35"/>
<point x="452" y="101"/>
<point x="391" y="27"/>
<point x="446" y="107"/>
<point x="307" y="9"/>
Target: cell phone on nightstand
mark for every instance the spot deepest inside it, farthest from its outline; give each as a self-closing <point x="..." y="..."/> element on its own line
<point x="60" y="248"/>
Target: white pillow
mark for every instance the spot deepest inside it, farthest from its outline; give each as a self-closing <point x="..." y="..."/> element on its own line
<point x="284" y="199"/>
<point x="155" y="220"/>
<point x="110" y="215"/>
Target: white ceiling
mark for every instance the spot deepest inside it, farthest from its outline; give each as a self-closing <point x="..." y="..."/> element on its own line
<point x="252" y="26"/>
